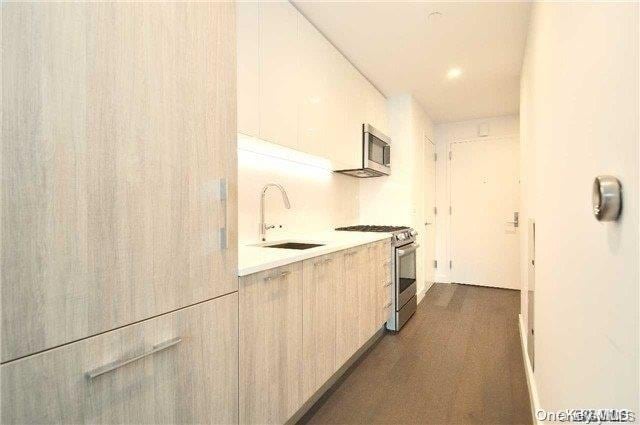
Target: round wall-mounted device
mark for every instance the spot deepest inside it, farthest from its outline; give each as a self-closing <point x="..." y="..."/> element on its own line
<point x="607" y="198"/>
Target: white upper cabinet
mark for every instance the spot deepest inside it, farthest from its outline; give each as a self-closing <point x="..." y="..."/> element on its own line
<point x="297" y="90"/>
<point x="248" y="77"/>
<point x="278" y="73"/>
<point x="348" y="149"/>
<point x="315" y="91"/>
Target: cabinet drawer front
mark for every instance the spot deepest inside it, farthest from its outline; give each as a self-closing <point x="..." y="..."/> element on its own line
<point x="129" y="376"/>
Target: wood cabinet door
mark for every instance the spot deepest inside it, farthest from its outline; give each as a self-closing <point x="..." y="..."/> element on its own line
<point x="119" y="131"/>
<point x="180" y="367"/>
<point x="271" y="345"/>
<point x="278" y="68"/>
<point x="347" y="304"/>
<point x="321" y="277"/>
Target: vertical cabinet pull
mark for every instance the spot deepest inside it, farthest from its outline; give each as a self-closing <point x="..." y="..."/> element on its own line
<point x="224" y="232"/>
<point x="92" y="374"/>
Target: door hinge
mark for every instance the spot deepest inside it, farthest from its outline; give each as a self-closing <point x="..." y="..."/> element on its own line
<point x="450" y="156"/>
<point x="435" y="264"/>
<point x="450" y="264"/>
<point x="435" y="210"/>
<point x="435" y="156"/>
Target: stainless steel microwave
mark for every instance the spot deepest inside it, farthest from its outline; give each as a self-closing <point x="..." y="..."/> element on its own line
<point x="376" y="154"/>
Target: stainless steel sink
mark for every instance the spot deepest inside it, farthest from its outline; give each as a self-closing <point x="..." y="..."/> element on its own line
<point x="293" y="245"/>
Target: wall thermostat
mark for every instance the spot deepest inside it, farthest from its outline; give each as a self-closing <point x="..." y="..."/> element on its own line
<point x="607" y="198"/>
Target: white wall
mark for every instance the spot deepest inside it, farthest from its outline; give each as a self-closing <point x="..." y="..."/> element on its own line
<point x="320" y="199"/>
<point x="579" y="118"/>
<point x="445" y="134"/>
<point x="399" y="198"/>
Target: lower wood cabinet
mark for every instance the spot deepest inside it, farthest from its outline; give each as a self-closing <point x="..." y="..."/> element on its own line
<point x="301" y="322"/>
<point x="348" y="308"/>
<point x="271" y="345"/>
<point x="321" y="277"/>
<point x="181" y="367"/>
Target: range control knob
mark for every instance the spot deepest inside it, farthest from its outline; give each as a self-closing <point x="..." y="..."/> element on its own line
<point x="400" y="237"/>
<point x="414" y="233"/>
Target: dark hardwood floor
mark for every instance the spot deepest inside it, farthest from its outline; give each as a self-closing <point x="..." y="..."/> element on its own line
<point x="457" y="361"/>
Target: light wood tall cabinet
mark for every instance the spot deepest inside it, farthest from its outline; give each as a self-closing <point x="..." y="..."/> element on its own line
<point x="271" y="345"/>
<point x="180" y="367"/>
<point x="119" y="165"/>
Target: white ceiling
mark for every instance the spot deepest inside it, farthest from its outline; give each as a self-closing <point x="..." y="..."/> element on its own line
<point x="401" y="51"/>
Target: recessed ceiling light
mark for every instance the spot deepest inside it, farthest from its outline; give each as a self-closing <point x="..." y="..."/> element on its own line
<point x="454" y="73"/>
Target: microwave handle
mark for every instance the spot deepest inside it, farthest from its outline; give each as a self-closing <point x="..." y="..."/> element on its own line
<point x="386" y="155"/>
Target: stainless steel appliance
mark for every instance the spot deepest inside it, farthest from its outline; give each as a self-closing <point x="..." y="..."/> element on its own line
<point x="403" y="267"/>
<point x="376" y="155"/>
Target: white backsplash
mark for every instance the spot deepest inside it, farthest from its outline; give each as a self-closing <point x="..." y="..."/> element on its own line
<point x="320" y="199"/>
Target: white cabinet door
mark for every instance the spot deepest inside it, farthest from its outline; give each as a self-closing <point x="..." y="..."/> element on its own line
<point x="248" y="69"/>
<point x="315" y="90"/>
<point x="115" y="146"/>
<point x="377" y="109"/>
<point x="381" y="118"/>
<point x="278" y="70"/>
<point x="151" y="377"/>
<point x="348" y="151"/>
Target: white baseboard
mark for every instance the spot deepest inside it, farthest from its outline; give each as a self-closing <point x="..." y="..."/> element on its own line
<point x="531" y="381"/>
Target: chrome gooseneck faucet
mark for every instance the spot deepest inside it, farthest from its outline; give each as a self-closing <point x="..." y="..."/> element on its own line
<point x="263" y="226"/>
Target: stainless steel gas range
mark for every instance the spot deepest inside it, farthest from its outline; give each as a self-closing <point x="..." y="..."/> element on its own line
<point x="403" y="268"/>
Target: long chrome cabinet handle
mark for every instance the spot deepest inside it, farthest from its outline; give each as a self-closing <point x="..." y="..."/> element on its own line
<point x="92" y="374"/>
<point x="280" y="276"/>
<point x="224" y="232"/>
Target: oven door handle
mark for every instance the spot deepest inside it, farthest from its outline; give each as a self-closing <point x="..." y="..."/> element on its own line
<point x="402" y="252"/>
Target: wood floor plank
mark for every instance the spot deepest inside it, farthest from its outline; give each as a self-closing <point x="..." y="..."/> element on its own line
<point x="457" y="361"/>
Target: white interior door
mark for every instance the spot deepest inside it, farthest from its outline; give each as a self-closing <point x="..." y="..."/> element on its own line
<point x="484" y="197"/>
<point x="429" y="223"/>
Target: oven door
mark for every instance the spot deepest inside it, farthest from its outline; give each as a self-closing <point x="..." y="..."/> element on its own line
<point x="405" y="274"/>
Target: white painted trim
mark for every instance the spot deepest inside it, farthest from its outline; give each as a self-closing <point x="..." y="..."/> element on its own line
<point x="531" y="381"/>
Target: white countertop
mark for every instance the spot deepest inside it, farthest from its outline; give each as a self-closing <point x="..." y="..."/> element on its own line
<point x="253" y="259"/>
